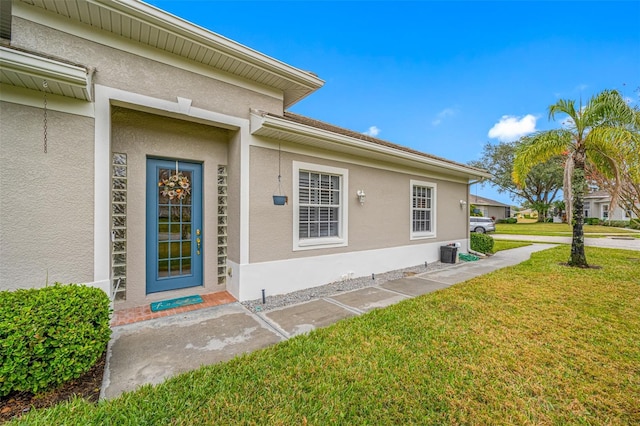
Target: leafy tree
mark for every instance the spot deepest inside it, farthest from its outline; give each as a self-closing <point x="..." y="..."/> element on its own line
<point x="543" y="182"/>
<point x="594" y="133"/>
<point x="624" y="187"/>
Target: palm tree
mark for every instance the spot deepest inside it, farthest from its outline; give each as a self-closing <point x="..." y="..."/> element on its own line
<point x="593" y="134"/>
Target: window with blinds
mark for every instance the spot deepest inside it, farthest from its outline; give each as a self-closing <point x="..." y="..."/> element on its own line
<point x="422" y="209"/>
<point x="321" y="207"/>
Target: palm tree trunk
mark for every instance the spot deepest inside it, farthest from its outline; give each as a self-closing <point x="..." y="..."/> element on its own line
<point x="567" y="187"/>
<point x="578" y="189"/>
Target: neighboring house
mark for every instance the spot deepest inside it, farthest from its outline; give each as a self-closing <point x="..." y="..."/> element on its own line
<point x="107" y="103"/>
<point x="597" y="204"/>
<point x="490" y="208"/>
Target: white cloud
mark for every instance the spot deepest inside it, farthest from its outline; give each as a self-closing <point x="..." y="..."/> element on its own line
<point x="447" y="112"/>
<point x="511" y="128"/>
<point x="373" y="131"/>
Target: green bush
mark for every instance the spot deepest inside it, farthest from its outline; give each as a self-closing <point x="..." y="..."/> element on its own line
<point x="51" y="335"/>
<point x="482" y="243"/>
<point x="507" y="220"/>
<point x="634" y="224"/>
<point x="616" y="223"/>
<point x="592" y="221"/>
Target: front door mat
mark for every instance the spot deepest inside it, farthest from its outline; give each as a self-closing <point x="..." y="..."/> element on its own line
<point x="175" y="303"/>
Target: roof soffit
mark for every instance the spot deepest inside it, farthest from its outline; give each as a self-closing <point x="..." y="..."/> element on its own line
<point x="282" y="129"/>
<point x="23" y="69"/>
<point x="151" y="26"/>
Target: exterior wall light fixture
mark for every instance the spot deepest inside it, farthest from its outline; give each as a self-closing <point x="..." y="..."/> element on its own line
<point x="462" y="204"/>
<point x="361" y="196"/>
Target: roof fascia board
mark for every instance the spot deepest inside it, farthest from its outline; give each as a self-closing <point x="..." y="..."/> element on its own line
<point x="355" y="158"/>
<point x="162" y="19"/>
<point x="78" y="29"/>
<point x="41" y="68"/>
<point x="274" y="123"/>
<point x="295" y="83"/>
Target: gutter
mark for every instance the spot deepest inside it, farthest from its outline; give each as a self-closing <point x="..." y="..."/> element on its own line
<point x="262" y="122"/>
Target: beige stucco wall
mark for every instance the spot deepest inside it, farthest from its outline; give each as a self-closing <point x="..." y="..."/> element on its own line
<point x="126" y="71"/>
<point x="141" y="135"/>
<point x="382" y="222"/>
<point x="46" y="207"/>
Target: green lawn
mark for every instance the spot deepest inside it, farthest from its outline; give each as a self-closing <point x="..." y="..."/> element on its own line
<point x="499" y="245"/>
<point x="558" y="229"/>
<point x="538" y="343"/>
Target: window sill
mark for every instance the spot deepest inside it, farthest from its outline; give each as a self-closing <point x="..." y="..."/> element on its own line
<point x="422" y="235"/>
<point x="319" y="243"/>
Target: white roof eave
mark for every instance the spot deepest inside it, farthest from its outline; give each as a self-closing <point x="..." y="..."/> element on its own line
<point x="270" y="126"/>
<point x="294" y="83"/>
<point x="23" y="69"/>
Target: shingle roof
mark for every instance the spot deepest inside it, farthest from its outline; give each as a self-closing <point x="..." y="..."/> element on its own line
<point x="598" y="194"/>
<point x="474" y="199"/>
<point x="300" y="119"/>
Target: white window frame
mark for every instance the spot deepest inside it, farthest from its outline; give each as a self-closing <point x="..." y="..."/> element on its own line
<point x="342" y="240"/>
<point x="605" y="212"/>
<point x="434" y="191"/>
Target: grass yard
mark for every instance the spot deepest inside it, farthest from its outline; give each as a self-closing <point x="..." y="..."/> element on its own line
<point x="559" y="229"/>
<point x="499" y="245"/>
<point x="538" y="343"/>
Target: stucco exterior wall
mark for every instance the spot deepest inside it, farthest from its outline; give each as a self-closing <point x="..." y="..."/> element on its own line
<point x="126" y="71"/>
<point x="596" y="209"/>
<point x="46" y="210"/>
<point x="141" y="135"/>
<point x="382" y="222"/>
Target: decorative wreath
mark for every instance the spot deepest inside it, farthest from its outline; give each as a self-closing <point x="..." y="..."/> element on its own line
<point x="175" y="186"/>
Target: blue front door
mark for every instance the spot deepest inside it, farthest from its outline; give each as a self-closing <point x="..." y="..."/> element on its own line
<point x="174" y="225"/>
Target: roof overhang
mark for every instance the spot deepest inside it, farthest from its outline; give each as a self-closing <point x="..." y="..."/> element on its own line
<point x="27" y="70"/>
<point x="146" y="24"/>
<point x="282" y="129"/>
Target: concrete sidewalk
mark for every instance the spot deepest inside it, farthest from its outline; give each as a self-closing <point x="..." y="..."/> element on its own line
<point x="151" y="351"/>
<point x="620" y="241"/>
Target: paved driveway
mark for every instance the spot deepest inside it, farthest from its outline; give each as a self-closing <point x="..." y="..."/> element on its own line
<point x="621" y="242"/>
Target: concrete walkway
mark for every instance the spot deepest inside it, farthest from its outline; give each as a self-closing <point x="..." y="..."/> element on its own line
<point x="152" y="351"/>
<point x="620" y="241"/>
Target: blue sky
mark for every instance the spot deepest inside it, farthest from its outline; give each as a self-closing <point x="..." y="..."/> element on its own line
<point x="440" y="77"/>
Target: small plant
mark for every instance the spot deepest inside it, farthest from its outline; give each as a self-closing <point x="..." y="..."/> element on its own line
<point x="482" y="243"/>
<point x="592" y="221"/>
<point x="616" y="223"/>
<point x="51" y="335"/>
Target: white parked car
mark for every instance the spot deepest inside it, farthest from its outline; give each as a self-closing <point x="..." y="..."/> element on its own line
<point x="481" y="224"/>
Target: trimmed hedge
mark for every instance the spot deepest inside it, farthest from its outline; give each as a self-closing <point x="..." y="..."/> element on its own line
<point x="482" y="243"/>
<point x="507" y="220"/>
<point x="51" y="335"/>
<point x="616" y="223"/>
